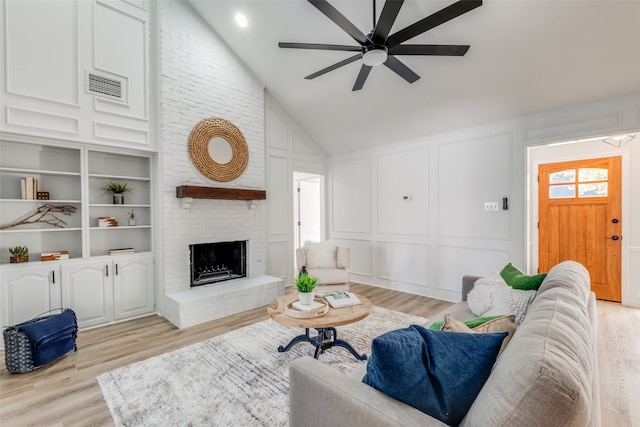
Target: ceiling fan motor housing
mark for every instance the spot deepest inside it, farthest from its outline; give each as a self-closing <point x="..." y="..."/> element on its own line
<point x="375" y="54"/>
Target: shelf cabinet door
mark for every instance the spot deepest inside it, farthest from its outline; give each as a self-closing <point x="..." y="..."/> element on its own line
<point x="29" y="292"/>
<point x="133" y="285"/>
<point x="87" y="288"/>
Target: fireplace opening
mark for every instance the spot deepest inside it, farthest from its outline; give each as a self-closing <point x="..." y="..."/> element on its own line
<point x="217" y="262"/>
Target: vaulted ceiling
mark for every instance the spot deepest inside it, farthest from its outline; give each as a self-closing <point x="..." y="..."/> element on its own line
<point x="526" y="57"/>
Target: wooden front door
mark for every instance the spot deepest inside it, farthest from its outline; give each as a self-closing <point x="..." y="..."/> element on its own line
<point x="579" y="218"/>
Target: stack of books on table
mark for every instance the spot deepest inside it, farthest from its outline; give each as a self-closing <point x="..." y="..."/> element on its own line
<point x="121" y="251"/>
<point x="107" y="221"/>
<point x="339" y="299"/>
<point x="54" y="256"/>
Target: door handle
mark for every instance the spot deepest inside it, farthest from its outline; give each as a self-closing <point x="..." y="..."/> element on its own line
<point x="615" y="237"/>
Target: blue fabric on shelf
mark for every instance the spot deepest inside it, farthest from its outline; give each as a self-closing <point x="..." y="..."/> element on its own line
<point x="51" y="337"/>
<point x="438" y="372"/>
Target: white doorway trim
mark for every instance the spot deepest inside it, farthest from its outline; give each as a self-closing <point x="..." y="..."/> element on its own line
<point x="308" y="207"/>
<point x="568" y="151"/>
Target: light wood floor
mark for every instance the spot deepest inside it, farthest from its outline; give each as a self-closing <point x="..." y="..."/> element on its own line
<point x="67" y="393"/>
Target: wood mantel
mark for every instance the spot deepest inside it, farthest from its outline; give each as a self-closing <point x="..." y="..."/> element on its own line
<point x="199" y="192"/>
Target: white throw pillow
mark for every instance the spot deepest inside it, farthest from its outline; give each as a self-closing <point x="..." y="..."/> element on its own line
<point x="479" y="298"/>
<point x="321" y="254"/>
<point x="511" y="301"/>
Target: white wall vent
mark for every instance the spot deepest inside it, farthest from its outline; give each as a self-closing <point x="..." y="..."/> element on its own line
<point x="104" y="86"/>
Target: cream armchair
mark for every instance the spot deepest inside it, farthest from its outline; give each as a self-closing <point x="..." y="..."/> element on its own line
<point x="326" y="261"/>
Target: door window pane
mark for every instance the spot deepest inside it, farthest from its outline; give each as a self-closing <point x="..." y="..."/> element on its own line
<point x="593" y="174"/>
<point x="562" y="191"/>
<point x="599" y="189"/>
<point x="568" y="175"/>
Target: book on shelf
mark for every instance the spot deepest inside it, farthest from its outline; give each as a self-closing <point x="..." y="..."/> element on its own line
<point x="121" y="251"/>
<point x="29" y="188"/>
<point x="339" y="299"/>
<point x="299" y="306"/>
<point x="54" y="256"/>
<point x="107" y="221"/>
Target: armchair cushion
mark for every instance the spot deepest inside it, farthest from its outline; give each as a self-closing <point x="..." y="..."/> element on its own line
<point x="321" y="254"/>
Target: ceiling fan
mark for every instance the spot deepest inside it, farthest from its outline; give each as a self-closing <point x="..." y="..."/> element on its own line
<point x="378" y="47"/>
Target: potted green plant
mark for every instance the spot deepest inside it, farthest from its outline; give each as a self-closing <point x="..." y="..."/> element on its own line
<point x="117" y="190"/>
<point x="306" y="284"/>
<point x="19" y="254"/>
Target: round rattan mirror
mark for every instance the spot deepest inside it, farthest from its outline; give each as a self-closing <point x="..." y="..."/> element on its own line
<point x="218" y="149"/>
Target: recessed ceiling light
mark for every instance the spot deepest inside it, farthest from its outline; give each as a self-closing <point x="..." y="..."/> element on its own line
<point x="241" y="20"/>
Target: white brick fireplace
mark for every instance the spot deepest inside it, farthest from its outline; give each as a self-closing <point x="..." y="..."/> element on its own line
<point x="207" y="82"/>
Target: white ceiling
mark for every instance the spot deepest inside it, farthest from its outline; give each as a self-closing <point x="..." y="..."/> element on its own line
<point x="526" y="57"/>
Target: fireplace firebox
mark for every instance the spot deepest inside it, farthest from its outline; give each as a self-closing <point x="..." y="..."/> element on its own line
<point x="217" y="262"/>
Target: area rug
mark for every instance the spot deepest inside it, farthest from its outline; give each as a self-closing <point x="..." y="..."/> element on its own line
<point x="238" y="378"/>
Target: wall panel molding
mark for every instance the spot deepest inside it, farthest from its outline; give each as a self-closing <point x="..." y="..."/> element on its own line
<point x="120" y="133"/>
<point x="42" y="120"/>
<point x="122" y="54"/>
<point x="50" y="72"/>
<point x="403" y="262"/>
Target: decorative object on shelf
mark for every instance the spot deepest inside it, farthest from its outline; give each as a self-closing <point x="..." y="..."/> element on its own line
<point x="132" y="218"/>
<point x="306" y="284"/>
<point x="54" y="256"/>
<point x="29" y="188"/>
<point x="45" y="214"/>
<point x="19" y="254"/>
<point x="117" y="190"/>
<point x="107" y="221"/>
<point x="42" y="195"/>
<point x="122" y="251"/>
<point x="218" y="149"/>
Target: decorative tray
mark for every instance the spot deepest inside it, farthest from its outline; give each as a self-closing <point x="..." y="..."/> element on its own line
<point x="291" y="311"/>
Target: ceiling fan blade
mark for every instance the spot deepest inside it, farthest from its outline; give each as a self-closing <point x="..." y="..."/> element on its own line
<point x="339" y="19"/>
<point x="387" y="18"/>
<point x="400" y="69"/>
<point x="429" y="49"/>
<point x="318" y="46"/>
<point x="334" y="66"/>
<point x="362" y="77"/>
<point x="432" y="21"/>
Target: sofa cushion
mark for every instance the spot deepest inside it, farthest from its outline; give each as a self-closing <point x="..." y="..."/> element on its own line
<point x="517" y="280"/>
<point x="439" y="373"/>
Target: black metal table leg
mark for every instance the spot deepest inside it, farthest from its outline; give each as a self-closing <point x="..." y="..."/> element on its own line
<point x="326" y="338"/>
<point x="296" y="340"/>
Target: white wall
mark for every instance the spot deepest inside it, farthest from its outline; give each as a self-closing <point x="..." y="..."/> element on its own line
<point x="47" y="51"/>
<point x="425" y="242"/>
<point x="288" y="150"/>
<point x="201" y="78"/>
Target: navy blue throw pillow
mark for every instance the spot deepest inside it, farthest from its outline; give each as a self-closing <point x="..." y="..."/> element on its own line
<point x="438" y="372"/>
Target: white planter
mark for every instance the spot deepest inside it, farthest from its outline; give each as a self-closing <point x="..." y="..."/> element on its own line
<point x="306" y="298"/>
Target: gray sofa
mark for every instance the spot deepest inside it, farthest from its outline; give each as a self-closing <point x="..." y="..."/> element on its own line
<point x="546" y="376"/>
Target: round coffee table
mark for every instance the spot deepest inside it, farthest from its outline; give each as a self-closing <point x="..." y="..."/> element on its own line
<point x="327" y="335"/>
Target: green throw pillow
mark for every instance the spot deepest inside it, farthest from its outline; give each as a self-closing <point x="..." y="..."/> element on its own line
<point x="517" y="280"/>
<point x="471" y="323"/>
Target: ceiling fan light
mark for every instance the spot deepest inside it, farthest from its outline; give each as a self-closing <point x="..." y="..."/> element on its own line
<point x="375" y="57"/>
<point x="618" y="140"/>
